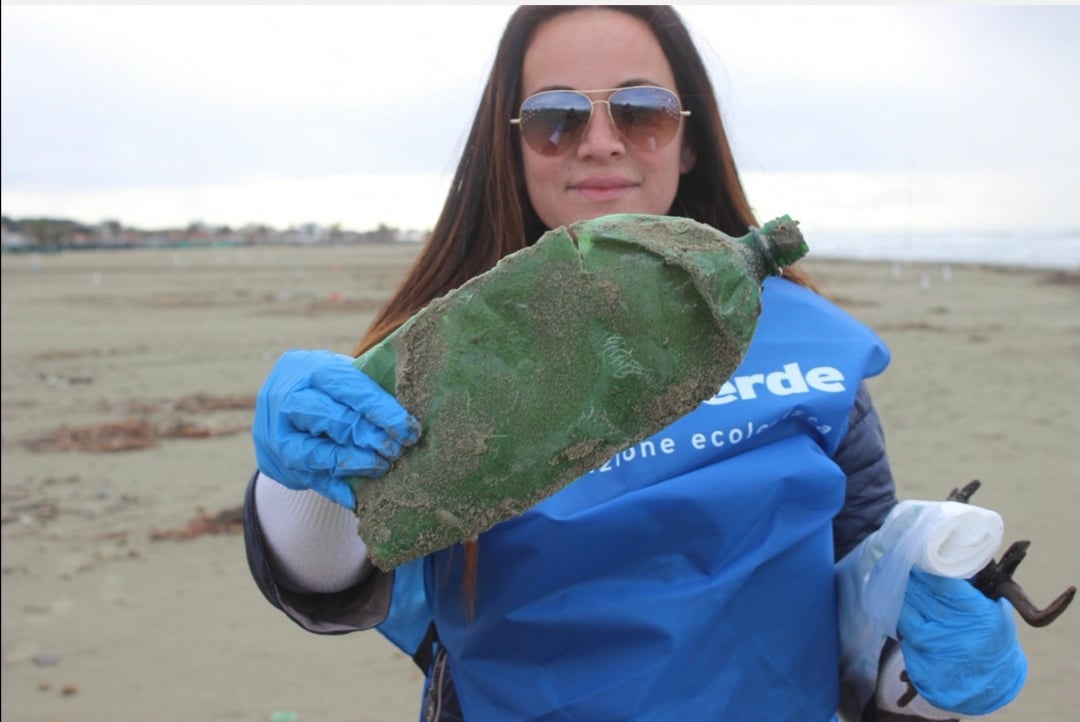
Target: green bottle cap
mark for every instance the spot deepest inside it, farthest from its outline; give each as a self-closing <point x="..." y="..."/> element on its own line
<point x="781" y="241"/>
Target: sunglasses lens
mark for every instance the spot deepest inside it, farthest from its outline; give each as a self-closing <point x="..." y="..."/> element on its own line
<point x="552" y="122"/>
<point x="647" y="117"/>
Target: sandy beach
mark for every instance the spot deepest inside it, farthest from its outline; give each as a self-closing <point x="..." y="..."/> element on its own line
<point x="128" y="379"/>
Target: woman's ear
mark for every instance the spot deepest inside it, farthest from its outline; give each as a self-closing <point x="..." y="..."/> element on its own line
<point x="687" y="158"/>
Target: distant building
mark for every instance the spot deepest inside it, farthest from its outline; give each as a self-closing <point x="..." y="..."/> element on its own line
<point x="15" y="240"/>
<point x="412" y="236"/>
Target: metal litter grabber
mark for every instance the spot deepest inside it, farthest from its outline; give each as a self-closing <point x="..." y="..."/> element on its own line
<point x="995" y="580"/>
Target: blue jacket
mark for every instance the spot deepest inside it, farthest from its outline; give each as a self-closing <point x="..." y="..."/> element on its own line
<point x="690" y="577"/>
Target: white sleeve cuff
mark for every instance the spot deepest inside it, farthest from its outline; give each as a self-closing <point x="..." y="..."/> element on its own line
<point x="312" y="543"/>
<point x="891" y="688"/>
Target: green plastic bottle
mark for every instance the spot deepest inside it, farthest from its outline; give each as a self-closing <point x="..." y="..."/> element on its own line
<point x="541" y="369"/>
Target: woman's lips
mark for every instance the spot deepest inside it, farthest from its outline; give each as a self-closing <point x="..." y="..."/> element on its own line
<point x="602" y="190"/>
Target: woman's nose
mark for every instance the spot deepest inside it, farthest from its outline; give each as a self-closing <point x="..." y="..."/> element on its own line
<point x="601" y="138"/>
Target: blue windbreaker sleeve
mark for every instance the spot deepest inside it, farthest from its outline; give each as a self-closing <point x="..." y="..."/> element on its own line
<point x="361" y="607"/>
<point x="870" y="493"/>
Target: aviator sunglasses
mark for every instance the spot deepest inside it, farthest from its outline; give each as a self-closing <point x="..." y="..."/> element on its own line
<point x="553" y="121"/>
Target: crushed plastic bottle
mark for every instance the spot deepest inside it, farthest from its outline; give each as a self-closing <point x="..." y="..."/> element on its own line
<point x="530" y="375"/>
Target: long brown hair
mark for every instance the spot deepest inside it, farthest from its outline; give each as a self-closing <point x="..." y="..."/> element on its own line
<point x="487" y="213"/>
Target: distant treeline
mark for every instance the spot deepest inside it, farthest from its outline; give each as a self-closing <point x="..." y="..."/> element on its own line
<point x="56" y="234"/>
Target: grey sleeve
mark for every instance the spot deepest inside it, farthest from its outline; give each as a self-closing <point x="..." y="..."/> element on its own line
<point x="361" y="607"/>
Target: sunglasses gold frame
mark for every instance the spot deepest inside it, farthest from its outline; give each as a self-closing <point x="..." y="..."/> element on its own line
<point x="606" y="101"/>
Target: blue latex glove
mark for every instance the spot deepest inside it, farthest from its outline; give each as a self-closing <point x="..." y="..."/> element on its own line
<point x="319" y="419"/>
<point x="960" y="648"/>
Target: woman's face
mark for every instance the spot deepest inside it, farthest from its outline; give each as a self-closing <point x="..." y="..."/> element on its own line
<point x="602" y="173"/>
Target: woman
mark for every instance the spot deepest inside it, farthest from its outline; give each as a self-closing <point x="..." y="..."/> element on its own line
<point x="697" y="585"/>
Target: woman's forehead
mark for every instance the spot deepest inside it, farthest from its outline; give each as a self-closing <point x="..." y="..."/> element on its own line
<point x="594" y="48"/>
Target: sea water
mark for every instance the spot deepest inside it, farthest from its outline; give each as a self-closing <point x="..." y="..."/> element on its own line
<point x="1038" y="249"/>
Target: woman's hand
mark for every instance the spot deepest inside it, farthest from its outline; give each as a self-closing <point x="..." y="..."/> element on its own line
<point x="319" y="420"/>
<point x="960" y="648"/>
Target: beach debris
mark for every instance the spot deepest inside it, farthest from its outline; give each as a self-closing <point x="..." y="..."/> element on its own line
<point x="65" y="381"/>
<point x="143" y="433"/>
<point x="227" y="521"/>
<point x="337" y="303"/>
<point x="202" y="403"/>
<point x="283" y="715"/>
<point x="566" y="352"/>
<point x="995" y="580"/>
<point x="67" y="689"/>
<point x="31" y="513"/>
<point x="107" y="436"/>
<point x="1061" y="278"/>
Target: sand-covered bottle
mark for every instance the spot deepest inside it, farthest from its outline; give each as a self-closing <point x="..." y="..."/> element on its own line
<point x="530" y="375"/>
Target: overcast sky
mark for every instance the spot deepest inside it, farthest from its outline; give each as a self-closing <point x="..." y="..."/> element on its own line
<point x="928" y="117"/>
